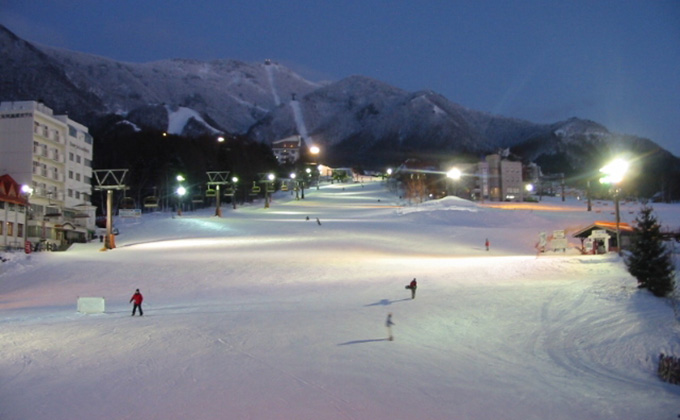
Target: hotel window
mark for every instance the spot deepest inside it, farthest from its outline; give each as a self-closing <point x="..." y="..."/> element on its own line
<point x="10" y="229"/>
<point x="20" y="230"/>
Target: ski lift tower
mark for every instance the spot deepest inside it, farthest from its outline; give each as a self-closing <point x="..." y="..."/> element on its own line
<point x="109" y="180"/>
<point x="217" y="178"/>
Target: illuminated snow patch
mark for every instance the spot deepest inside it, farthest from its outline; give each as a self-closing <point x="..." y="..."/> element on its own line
<point x="208" y="243"/>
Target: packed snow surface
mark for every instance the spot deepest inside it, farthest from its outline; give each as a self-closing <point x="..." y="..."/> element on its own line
<point x="264" y="314"/>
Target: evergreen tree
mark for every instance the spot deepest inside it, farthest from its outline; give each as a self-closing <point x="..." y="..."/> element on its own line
<point x="649" y="261"/>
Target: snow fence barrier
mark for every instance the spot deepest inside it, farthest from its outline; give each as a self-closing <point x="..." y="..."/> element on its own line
<point x="91" y="305"/>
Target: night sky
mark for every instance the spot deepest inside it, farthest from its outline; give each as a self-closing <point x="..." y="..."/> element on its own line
<point x="613" y="62"/>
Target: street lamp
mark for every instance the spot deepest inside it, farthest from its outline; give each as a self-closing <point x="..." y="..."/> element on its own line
<point x="454" y="174"/>
<point x="297" y="194"/>
<point x="302" y="182"/>
<point x="27" y="191"/>
<point x="181" y="191"/>
<point x="234" y="181"/>
<point x="267" y="192"/>
<point x="613" y="175"/>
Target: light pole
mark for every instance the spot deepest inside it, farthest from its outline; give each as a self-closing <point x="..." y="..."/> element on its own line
<point x="529" y="188"/>
<point x="27" y="191"/>
<point x="234" y="181"/>
<point x="267" y="191"/>
<point x="454" y="174"/>
<point x="302" y="186"/>
<point x="613" y="175"/>
<point x="295" y="187"/>
<point x="307" y="176"/>
<point x="314" y="151"/>
<point x="180" y="193"/>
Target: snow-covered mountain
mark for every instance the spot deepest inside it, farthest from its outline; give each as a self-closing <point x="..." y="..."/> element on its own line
<point x="359" y="116"/>
<point x="357" y="120"/>
<point x="229" y="95"/>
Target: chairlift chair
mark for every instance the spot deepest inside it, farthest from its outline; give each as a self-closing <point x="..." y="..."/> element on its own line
<point x="151" y="202"/>
<point x="256" y="189"/>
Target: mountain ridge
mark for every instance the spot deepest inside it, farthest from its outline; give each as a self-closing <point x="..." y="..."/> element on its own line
<point x="357" y="120"/>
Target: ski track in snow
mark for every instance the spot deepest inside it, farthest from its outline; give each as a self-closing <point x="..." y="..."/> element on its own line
<point x="299" y="119"/>
<point x="270" y="75"/>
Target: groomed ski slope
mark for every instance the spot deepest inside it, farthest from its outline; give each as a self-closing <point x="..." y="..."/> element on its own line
<point x="262" y="314"/>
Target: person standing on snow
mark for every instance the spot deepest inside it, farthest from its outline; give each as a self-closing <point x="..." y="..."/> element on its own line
<point x="413" y="286"/>
<point x="388" y="324"/>
<point x="486" y="244"/>
<point x="137" y="298"/>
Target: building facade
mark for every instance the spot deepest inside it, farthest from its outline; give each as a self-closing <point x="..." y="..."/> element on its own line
<point x="499" y="179"/>
<point x="512" y="186"/>
<point x="287" y="150"/>
<point x="13" y="214"/>
<point x="52" y="154"/>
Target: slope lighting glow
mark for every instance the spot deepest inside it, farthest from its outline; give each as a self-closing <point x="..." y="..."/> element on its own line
<point x="614" y="171"/>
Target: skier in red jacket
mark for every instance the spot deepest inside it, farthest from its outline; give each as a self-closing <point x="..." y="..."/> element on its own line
<point x="137" y="298"/>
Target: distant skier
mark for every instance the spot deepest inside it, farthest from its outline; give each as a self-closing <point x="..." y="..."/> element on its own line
<point x="413" y="286"/>
<point x="137" y="298"/>
<point x="388" y="324"/>
<point x="486" y="244"/>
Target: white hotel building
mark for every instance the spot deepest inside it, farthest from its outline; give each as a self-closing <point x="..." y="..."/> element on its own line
<point x="53" y="155"/>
